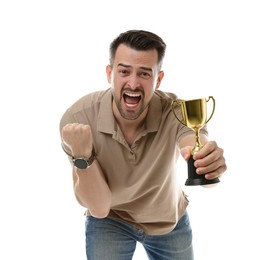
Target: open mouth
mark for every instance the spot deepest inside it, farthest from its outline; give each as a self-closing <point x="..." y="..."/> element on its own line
<point x="132" y="99"/>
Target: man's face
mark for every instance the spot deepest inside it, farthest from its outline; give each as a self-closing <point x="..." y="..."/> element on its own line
<point x="134" y="77"/>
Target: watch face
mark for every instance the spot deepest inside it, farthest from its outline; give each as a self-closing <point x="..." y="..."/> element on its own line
<point x="80" y="163"/>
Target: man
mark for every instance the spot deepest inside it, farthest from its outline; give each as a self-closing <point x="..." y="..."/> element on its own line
<point x="123" y="144"/>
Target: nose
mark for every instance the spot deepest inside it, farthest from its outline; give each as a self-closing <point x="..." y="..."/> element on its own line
<point x="133" y="82"/>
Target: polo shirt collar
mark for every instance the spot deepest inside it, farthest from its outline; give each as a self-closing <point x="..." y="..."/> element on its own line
<point x="154" y="115"/>
<point x="106" y="120"/>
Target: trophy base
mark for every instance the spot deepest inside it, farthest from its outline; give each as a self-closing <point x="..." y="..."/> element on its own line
<point x="199" y="181"/>
<point x="196" y="179"/>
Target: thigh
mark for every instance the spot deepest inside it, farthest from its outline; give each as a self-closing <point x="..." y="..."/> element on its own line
<point x="176" y="245"/>
<point x="107" y="239"/>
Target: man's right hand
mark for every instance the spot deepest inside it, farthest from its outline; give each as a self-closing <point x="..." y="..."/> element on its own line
<point x="78" y="138"/>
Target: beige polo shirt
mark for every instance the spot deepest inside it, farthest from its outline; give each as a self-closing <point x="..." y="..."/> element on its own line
<point x="142" y="177"/>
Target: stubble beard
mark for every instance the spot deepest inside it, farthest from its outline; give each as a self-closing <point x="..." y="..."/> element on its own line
<point x="129" y="114"/>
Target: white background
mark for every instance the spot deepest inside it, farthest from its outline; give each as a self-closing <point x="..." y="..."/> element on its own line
<point x="53" y="52"/>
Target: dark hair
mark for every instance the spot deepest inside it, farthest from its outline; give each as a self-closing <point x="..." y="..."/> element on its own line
<point x="139" y="40"/>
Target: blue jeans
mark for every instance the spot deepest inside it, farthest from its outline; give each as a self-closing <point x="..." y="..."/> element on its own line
<point x="114" y="239"/>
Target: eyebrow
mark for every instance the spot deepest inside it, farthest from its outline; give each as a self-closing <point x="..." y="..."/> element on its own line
<point x="129" y="66"/>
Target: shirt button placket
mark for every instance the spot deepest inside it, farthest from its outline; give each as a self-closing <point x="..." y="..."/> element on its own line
<point x="132" y="156"/>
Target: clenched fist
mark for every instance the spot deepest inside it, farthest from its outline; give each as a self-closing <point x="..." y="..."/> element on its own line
<point x="78" y="138"/>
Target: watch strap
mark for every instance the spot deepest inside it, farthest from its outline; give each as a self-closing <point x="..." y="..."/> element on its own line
<point x="88" y="161"/>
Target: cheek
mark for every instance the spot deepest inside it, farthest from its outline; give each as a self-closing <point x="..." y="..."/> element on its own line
<point x="118" y="82"/>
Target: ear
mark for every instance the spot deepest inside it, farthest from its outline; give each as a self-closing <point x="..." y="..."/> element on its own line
<point x="109" y="73"/>
<point x="159" y="78"/>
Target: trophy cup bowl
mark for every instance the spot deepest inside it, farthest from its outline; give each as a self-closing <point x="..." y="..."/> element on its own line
<point x="194" y="116"/>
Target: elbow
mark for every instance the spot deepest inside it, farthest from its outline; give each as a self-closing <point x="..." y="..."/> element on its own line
<point x="102" y="208"/>
<point x="97" y="212"/>
<point x="100" y="213"/>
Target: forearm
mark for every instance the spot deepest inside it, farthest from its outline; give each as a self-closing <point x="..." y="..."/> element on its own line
<point x="91" y="190"/>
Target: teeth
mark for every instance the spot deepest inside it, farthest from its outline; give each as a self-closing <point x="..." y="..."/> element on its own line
<point x="130" y="105"/>
<point x="132" y="95"/>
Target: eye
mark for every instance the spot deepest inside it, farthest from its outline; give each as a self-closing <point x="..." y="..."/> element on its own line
<point x="145" y="75"/>
<point x="123" y="72"/>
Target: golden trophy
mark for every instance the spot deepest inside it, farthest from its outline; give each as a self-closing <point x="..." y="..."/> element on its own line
<point x="194" y="116"/>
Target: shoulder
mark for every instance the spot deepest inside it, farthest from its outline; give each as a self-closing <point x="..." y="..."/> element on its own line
<point x="165" y="99"/>
<point x="168" y="96"/>
<point x="88" y="101"/>
<point x="84" y="109"/>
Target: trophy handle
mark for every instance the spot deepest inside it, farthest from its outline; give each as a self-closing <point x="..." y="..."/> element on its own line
<point x="211" y="97"/>
<point x="174" y="103"/>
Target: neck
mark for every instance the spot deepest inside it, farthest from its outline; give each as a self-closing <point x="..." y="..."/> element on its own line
<point x="130" y="128"/>
<point x="135" y="123"/>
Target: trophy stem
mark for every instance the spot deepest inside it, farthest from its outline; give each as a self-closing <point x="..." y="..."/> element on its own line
<point x="198" y="144"/>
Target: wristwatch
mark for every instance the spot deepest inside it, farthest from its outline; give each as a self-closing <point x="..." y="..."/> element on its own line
<point x="83" y="163"/>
